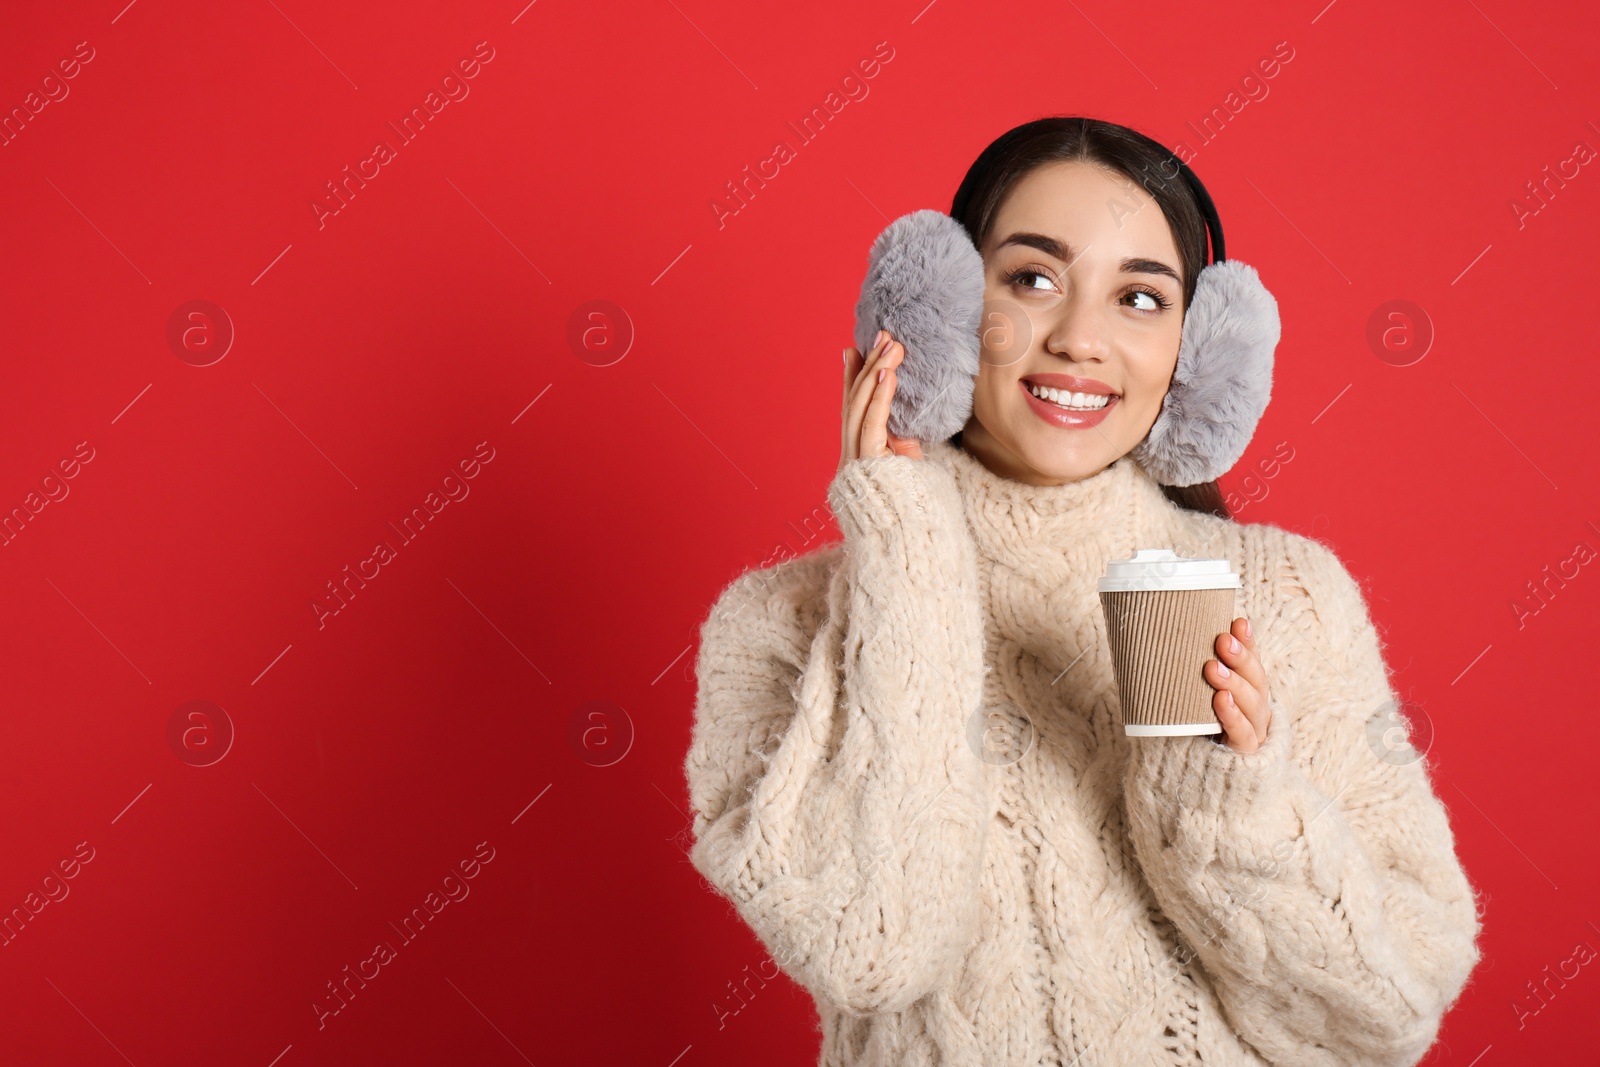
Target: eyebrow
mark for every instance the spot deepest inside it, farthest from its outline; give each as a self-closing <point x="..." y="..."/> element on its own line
<point x="1066" y="254"/>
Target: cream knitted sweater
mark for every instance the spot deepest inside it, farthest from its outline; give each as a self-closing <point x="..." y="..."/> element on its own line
<point x="908" y="774"/>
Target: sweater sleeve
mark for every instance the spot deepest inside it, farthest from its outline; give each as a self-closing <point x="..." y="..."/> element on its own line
<point x="836" y="799"/>
<point x="1316" y="878"/>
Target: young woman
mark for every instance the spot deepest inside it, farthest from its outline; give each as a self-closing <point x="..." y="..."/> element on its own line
<point x="1290" y="895"/>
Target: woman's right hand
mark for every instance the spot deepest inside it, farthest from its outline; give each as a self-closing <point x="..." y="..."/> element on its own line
<point x="868" y="388"/>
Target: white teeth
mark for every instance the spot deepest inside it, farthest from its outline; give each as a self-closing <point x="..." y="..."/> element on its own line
<point x="1061" y="398"/>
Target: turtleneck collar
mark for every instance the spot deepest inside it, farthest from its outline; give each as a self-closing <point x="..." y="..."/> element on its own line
<point x="1059" y="533"/>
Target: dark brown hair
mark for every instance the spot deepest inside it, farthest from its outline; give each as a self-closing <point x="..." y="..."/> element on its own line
<point x="1057" y="138"/>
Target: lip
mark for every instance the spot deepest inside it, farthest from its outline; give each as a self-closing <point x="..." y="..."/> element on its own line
<point x="1071" y="383"/>
<point x="1059" y="416"/>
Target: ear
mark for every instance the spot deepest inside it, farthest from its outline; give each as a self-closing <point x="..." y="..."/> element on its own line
<point x="1222" y="381"/>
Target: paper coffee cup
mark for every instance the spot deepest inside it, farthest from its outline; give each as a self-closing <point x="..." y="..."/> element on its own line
<point x="1163" y="613"/>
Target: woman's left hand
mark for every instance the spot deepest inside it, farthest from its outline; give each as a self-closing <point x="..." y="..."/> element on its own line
<point x="1242" y="698"/>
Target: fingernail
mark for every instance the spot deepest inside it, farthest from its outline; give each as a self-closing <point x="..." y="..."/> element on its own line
<point x="881" y="372"/>
<point x="1233" y="644"/>
<point x="1247" y="632"/>
<point x="877" y="339"/>
<point x="1222" y="669"/>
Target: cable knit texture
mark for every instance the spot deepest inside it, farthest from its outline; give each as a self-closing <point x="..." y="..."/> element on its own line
<point x="909" y="777"/>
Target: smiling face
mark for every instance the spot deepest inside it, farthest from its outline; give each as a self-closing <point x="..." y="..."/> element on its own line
<point x="1082" y="294"/>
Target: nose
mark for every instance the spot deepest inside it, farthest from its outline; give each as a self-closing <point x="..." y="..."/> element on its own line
<point x="1077" y="332"/>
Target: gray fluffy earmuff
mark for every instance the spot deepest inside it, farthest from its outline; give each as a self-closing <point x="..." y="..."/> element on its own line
<point x="925" y="284"/>
<point x="1222" y="382"/>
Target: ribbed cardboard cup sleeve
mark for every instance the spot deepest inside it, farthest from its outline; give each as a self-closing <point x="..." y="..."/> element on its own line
<point x="1160" y="642"/>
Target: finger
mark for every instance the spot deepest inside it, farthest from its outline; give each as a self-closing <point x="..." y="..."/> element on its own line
<point x="867" y="384"/>
<point x="850" y="358"/>
<point x="880" y="345"/>
<point x="1246" y="697"/>
<point x="1241" y="733"/>
<point x="861" y="395"/>
<point x="852" y="367"/>
<point x="900" y="446"/>
<point x="1239" y="653"/>
<point x="875" y="424"/>
<point x="1255" y="710"/>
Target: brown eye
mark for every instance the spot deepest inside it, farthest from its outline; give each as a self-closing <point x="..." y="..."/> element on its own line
<point x="1026" y="272"/>
<point x="1160" y="302"/>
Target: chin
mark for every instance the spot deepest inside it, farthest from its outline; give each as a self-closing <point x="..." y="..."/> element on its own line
<point x="1066" y="455"/>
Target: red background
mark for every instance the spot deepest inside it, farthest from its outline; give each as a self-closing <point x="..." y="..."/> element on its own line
<point x="447" y="703"/>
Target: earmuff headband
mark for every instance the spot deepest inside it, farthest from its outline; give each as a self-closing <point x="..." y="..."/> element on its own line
<point x="1208" y="210"/>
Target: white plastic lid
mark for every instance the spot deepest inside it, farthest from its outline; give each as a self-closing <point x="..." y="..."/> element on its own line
<point x="1162" y="568"/>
